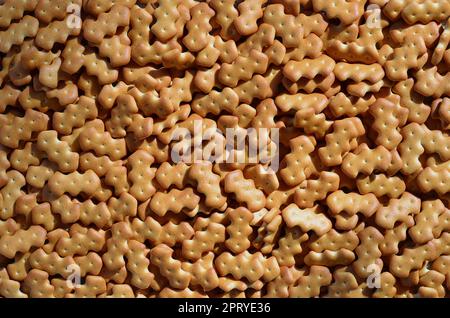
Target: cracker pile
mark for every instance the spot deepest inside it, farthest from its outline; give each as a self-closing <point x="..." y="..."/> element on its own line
<point x="359" y="90"/>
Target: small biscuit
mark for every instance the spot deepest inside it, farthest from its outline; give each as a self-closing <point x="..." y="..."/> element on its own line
<point x="307" y="219"/>
<point x="106" y="23"/>
<point x="58" y="151"/>
<point x="249" y="12"/>
<point x="22" y="241"/>
<point x="16" y="33"/>
<point x="244" y="190"/>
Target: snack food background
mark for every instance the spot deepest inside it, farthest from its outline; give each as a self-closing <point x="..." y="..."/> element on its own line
<point x="93" y="204"/>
